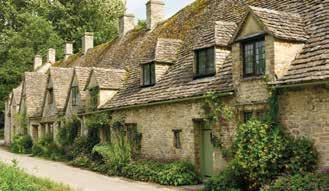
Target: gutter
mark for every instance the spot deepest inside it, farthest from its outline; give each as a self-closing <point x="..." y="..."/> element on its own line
<point x="222" y="94"/>
<point x="301" y="85"/>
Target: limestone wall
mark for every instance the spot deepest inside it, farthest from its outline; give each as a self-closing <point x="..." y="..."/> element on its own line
<point x="156" y="123"/>
<point x="305" y="112"/>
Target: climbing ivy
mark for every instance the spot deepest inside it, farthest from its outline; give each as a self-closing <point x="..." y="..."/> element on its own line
<point x="216" y="113"/>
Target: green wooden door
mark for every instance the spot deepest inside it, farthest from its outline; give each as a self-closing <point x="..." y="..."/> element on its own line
<point x="206" y="153"/>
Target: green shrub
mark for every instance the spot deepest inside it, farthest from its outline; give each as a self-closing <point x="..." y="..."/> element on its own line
<point x="14" y="179"/>
<point x="45" y="147"/>
<point x="83" y="145"/>
<point x="230" y="179"/>
<point x="299" y="182"/>
<point x="81" y="161"/>
<point x="21" y="144"/>
<point x="69" y="132"/>
<point x="176" y="173"/>
<point x="116" y="156"/>
<point x="301" y="156"/>
<point x="259" y="151"/>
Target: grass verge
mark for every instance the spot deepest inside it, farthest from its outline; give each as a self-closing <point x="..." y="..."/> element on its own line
<point x="14" y="179"/>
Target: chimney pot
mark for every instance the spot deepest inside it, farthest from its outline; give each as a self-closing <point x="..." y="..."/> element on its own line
<point x="87" y="42"/>
<point x="68" y="49"/>
<point x="127" y="23"/>
<point x="37" y="62"/>
<point x="51" y="57"/>
<point x="155" y="12"/>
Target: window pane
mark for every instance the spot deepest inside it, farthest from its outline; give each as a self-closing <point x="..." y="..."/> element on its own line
<point x="247" y="116"/>
<point x="210" y="67"/>
<point x="152" y="70"/>
<point x="146" y="71"/>
<point x="260" y="58"/>
<point x="202" y="59"/>
<point x="248" y="59"/>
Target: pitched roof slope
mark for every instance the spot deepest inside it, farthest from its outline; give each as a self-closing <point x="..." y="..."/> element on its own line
<point x="312" y="63"/>
<point x="82" y="74"/>
<point x="283" y="25"/>
<point x="109" y="78"/>
<point x="34" y="85"/>
<point x="166" y="50"/>
<point x="16" y="94"/>
<point x="188" y="25"/>
<point x="61" y="78"/>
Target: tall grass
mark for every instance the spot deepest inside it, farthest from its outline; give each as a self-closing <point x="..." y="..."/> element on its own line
<point x="14" y="179"/>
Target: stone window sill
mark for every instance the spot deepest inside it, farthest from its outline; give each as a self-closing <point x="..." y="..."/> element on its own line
<point x="252" y="78"/>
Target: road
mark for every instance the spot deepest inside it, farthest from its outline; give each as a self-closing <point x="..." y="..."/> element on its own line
<point x="77" y="178"/>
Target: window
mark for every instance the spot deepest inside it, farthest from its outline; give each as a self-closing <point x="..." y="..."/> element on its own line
<point x="254" y="58"/>
<point x="148" y="74"/>
<point x="94" y="93"/>
<point x="247" y="115"/>
<point x="261" y="115"/>
<point x="205" y="62"/>
<point x="177" y="138"/>
<point x="74" y="93"/>
<point x="51" y="95"/>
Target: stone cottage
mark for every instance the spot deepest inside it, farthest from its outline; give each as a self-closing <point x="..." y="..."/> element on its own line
<point x="55" y="96"/>
<point x="30" y="110"/>
<point x="241" y="49"/>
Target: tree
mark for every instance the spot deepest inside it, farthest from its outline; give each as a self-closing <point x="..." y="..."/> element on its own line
<point x="31" y="27"/>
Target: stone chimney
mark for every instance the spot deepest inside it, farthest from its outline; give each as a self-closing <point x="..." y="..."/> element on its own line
<point x="51" y="57"/>
<point x="127" y="23"/>
<point x="37" y="62"/>
<point x="87" y="42"/>
<point x="68" y="50"/>
<point x="155" y="12"/>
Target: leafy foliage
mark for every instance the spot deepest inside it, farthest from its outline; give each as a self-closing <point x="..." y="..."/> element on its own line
<point x="45" y="147"/>
<point x="298" y="182"/>
<point x="216" y="112"/>
<point x="21" y="144"/>
<point x="69" y="132"/>
<point x="31" y="27"/>
<point x="116" y="156"/>
<point x="175" y="173"/>
<point x="259" y="150"/>
<point x="230" y="179"/>
<point x="14" y="179"/>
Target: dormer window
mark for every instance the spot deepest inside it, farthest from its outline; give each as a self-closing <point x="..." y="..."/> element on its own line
<point x="253" y="57"/>
<point x="74" y="93"/>
<point x="51" y="95"/>
<point x="148" y="74"/>
<point x="205" y="62"/>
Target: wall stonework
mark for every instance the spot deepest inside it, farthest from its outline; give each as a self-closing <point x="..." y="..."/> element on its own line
<point x="156" y="124"/>
<point x="305" y="113"/>
<point x="285" y="53"/>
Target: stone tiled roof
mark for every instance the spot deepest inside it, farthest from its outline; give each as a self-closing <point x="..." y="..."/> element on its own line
<point x="16" y="95"/>
<point x="219" y="34"/>
<point x="82" y="74"/>
<point x="283" y="25"/>
<point x="207" y="23"/>
<point x="109" y="78"/>
<point x="61" y="78"/>
<point x="34" y="85"/>
<point x="312" y="64"/>
<point x="166" y="50"/>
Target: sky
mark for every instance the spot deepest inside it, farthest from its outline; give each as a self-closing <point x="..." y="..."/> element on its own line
<point x="137" y="7"/>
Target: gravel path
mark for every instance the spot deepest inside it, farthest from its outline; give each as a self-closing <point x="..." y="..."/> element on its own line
<point x="76" y="178"/>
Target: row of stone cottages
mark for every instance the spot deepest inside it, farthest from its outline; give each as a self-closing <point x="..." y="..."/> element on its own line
<point x="156" y="76"/>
